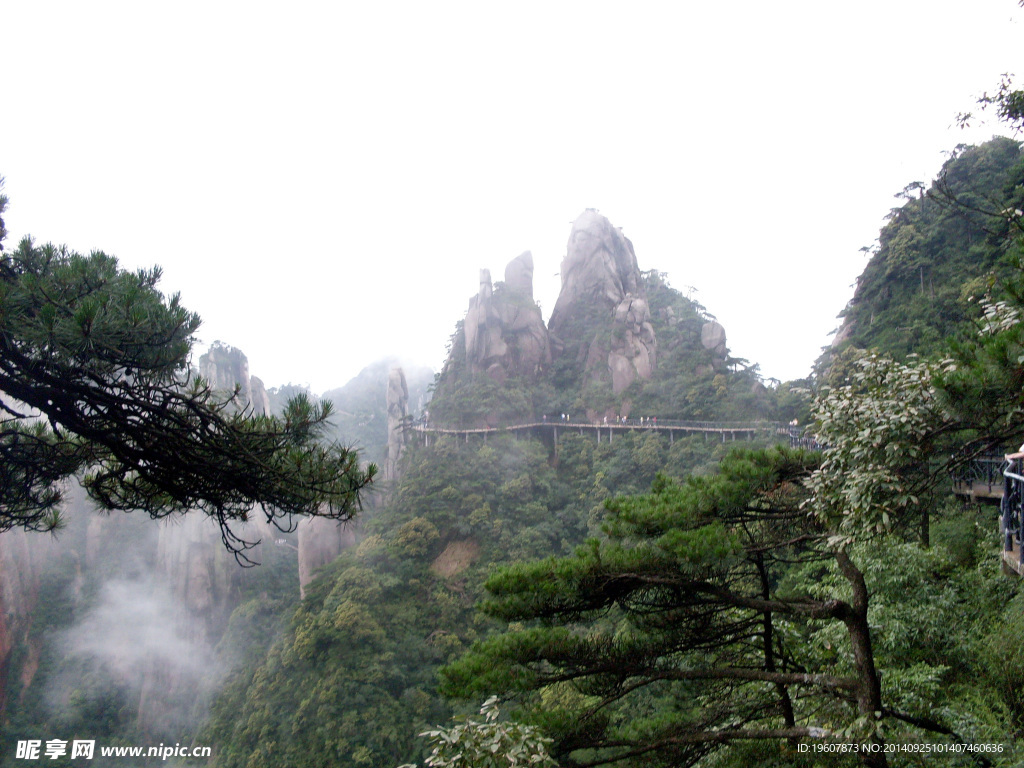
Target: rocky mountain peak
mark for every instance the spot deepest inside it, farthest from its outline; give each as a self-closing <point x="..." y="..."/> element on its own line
<point x="602" y="282"/>
<point x="599" y="263"/>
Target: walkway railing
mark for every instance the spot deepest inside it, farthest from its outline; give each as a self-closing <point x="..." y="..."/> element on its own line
<point x="1012" y="514"/>
<point x="645" y="423"/>
<point x="797" y="437"/>
<point x="980" y="478"/>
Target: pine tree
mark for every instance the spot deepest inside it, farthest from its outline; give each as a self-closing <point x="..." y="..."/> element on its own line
<point x="95" y="384"/>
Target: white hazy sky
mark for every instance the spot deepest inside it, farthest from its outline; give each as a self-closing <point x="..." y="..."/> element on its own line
<point x="322" y="181"/>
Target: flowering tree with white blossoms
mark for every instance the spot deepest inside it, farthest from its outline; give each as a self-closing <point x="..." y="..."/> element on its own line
<point x="877" y="432"/>
<point x="487" y="743"/>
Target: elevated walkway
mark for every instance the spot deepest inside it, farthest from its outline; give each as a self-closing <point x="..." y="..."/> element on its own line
<point x="550" y="430"/>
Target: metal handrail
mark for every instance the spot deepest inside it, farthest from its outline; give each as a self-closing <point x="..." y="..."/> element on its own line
<point x="1011" y="518"/>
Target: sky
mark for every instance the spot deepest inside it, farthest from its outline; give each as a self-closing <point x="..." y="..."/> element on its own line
<point x="322" y="182"/>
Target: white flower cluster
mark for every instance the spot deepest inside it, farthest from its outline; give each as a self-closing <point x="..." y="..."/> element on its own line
<point x="997" y="316"/>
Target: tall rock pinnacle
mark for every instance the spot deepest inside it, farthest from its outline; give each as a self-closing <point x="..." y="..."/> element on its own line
<point x="505" y="333"/>
<point x="224" y="367"/>
<point x="602" y="285"/>
<point x="397" y="401"/>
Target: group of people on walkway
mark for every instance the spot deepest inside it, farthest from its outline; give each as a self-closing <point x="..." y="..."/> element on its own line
<point x="562" y="417"/>
<point x="643" y="421"/>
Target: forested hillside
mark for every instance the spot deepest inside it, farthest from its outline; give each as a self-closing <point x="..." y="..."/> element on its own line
<point x="944" y="248"/>
<point x="354" y="678"/>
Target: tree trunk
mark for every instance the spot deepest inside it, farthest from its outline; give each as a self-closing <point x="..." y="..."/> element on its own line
<point x="769" y="653"/>
<point x="869" y="692"/>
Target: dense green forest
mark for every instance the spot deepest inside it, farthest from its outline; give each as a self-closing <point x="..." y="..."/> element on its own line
<point x="383" y="618"/>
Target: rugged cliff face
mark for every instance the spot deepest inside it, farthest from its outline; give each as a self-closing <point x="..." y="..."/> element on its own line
<point x="602" y="318"/>
<point x="23" y="557"/>
<point x="201" y="582"/>
<point x="190" y="555"/>
<point x="320" y="540"/>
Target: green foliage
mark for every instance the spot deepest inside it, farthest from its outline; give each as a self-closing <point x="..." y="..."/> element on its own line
<point x="403" y="593"/>
<point x="691" y="615"/>
<point x="347" y="687"/>
<point x="686" y="383"/>
<point x="984" y="388"/>
<point x="877" y="431"/>
<point x="352" y="680"/>
<point x="478" y="400"/>
<point x="487" y="744"/>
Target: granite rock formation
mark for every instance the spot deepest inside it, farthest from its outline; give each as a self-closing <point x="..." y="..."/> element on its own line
<point x="602" y="284"/>
<point x="397" y="401"/>
<point x="225" y="367"/>
<point x="519" y="275"/>
<point x="712" y="338"/>
<point x="202" y="580"/>
<point x="504" y="330"/>
<point x="190" y="554"/>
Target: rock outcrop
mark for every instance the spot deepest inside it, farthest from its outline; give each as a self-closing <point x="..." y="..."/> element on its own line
<point x="504" y="330"/>
<point x="519" y="275"/>
<point x="202" y="582"/>
<point x="602" y="286"/>
<point x="225" y="367"/>
<point x="201" y="576"/>
<point x="712" y="338"/>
